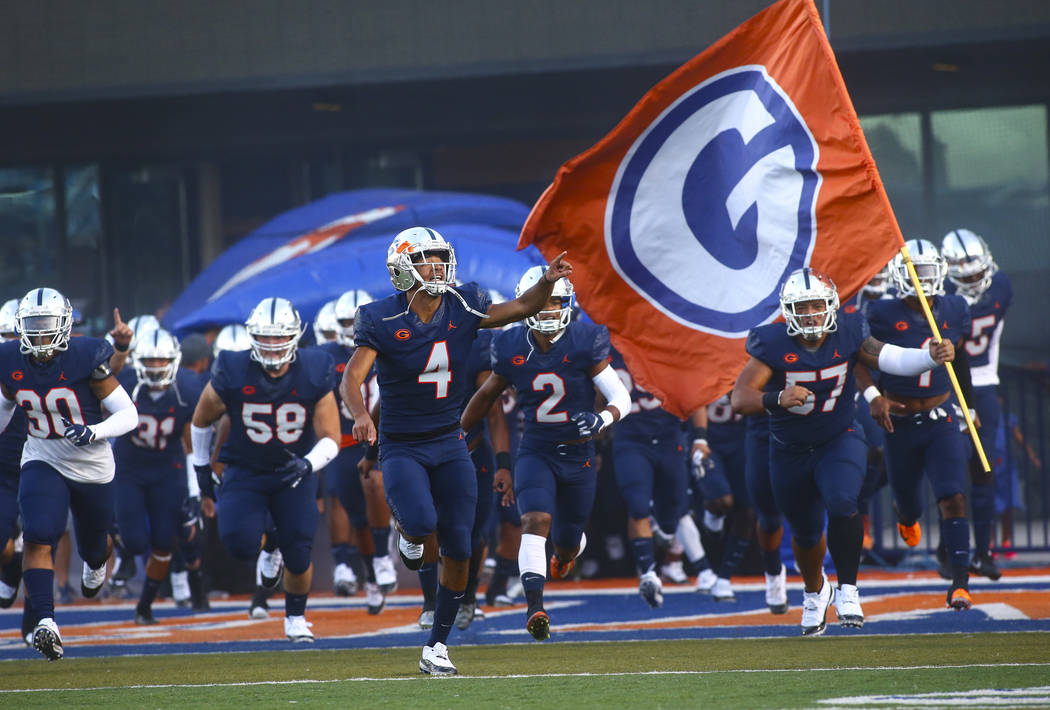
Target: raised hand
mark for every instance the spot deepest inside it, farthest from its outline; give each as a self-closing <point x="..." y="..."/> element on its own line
<point x="558" y="268"/>
<point x="122" y="332"/>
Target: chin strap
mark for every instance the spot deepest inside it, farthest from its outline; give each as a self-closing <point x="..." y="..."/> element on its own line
<point x="451" y="290"/>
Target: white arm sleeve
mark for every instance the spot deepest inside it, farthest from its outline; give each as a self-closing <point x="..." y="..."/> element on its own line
<point x="322" y="454"/>
<point x="611" y="387"/>
<point x="201" y="439"/>
<point x="895" y="360"/>
<point x="123" y="415"/>
<point x="7" y="410"/>
<point x="194" y="488"/>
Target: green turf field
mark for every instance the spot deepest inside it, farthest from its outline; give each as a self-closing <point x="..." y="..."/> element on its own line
<point x="762" y="673"/>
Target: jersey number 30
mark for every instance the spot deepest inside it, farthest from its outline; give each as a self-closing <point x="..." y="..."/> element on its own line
<point x="45" y="416"/>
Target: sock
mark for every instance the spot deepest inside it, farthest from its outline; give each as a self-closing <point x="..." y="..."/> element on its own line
<point x="532" y="583"/>
<point x="196" y="580"/>
<point x="357" y="563"/>
<point x="370" y="570"/>
<point x="643" y="554"/>
<point x="689" y="535"/>
<point x="28" y="617"/>
<point x="982" y="502"/>
<point x="771" y="561"/>
<point x="428" y="582"/>
<point x="733" y="555"/>
<point x="444" y="614"/>
<point x="341" y="554"/>
<point x="295" y="604"/>
<point x="149" y="592"/>
<point x="845" y="541"/>
<point x="39" y="584"/>
<point x="956" y="535"/>
<point x="381" y="541"/>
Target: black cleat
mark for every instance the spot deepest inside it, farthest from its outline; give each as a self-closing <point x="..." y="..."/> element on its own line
<point x="984" y="566"/>
<point x="47" y="640"/>
<point x="144" y="616"/>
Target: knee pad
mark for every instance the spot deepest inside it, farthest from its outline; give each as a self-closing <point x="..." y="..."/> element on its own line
<point x="297" y="556"/>
<point x="637" y="501"/>
<point x="455" y="542"/>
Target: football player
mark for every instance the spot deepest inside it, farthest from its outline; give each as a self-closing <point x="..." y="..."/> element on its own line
<point x="284" y="427"/>
<point x="800" y="372"/>
<point x="769" y="524"/>
<point x="555" y="365"/>
<point x="974" y="275"/>
<point x="420" y="341"/>
<point x="12" y="440"/>
<point x="326" y="328"/>
<point x="152" y="490"/>
<point x="62" y="384"/>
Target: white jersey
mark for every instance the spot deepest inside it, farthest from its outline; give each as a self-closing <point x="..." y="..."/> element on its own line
<point x="92" y="463"/>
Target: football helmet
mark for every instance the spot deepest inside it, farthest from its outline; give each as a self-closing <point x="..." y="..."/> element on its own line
<point x="326" y="327"/>
<point x="802" y="286"/>
<point x="969" y="262"/>
<point x="140" y="326"/>
<point x="552" y="321"/>
<point x="8" y="329"/>
<point x="232" y="337"/>
<point x="44" y="320"/>
<point x="274" y="318"/>
<point x="929" y="266"/>
<point x="157" y="344"/>
<point x="879" y="285"/>
<point x="410" y="249"/>
<point x="346" y="310"/>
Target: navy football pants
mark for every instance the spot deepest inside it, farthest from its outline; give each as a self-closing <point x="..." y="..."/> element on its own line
<point x="45" y="498"/>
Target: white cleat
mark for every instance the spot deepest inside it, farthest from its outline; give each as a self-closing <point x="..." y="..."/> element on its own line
<point x="674" y="573"/>
<point x="271" y="568"/>
<point x="847" y="606"/>
<point x="465" y="615"/>
<point x="705" y="581"/>
<point x="411" y="553"/>
<point x="386" y="575"/>
<point x="47" y="640"/>
<point x="723" y="590"/>
<point x="426" y="619"/>
<point x="435" y="661"/>
<point x="651" y="589"/>
<point x="297" y="629"/>
<point x="90" y="584"/>
<point x="180" y="588"/>
<point x="374" y="598"/>
<point x="776" y="591"/>
<point x="815" y="609"/>
<point x="344" y="581"/>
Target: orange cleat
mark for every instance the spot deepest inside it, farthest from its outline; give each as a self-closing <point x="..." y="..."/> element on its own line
<point x="539" y="626"/>
<point x="561" y="570"/>
<point x="911" y="534"/>
<point x="959" y="599"/>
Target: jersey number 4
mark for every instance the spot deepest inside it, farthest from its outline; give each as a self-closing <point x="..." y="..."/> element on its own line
<point x="288" y="421"/>
<point x="436" y="370"/>
<point x="837" y="372"/>
<point x="45" y="415"/>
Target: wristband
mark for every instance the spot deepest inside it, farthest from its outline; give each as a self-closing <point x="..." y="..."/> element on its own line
<point x="699" y="434"/>
<point x="120" y="348"/>
<point x="771" y="401"/>
<point x="871" y="392"/>
<point x="503" y="460"/>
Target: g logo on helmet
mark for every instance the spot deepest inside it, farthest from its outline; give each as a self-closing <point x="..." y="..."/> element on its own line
<point x="724" y="184"/>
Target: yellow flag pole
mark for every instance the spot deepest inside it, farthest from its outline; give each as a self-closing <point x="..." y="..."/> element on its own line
<point x="948" y="366"/>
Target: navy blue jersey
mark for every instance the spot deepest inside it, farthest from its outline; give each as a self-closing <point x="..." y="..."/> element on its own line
<point x="648" y="419"/>
<point x="894" y="322"/>
<point x="269" y="416"/>
<point x="827" y="372"/>
<point x="11" y="442"/>
<point x="725" y="428"/>
<point x="57" y="388"/>
<point x="479" y="361"/>
<point x="369" y="389"/>
<point x="157" y="442"/>
<point x="554" y="385"/>
<point x="986" y="327"/>
<point x="422" y="367"/>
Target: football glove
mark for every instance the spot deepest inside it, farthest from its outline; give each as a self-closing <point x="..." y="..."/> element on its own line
<point x="295" y="470"/>
<point x="79" y="434"/>
<point x="191" y="514"/>
<point x="587" y="423"/>
<point x="207" y="479"/>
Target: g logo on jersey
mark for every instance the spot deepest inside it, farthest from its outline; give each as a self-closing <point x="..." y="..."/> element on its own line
<point x="722" y="185"/>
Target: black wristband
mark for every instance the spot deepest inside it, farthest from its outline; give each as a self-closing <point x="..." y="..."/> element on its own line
<point x="120" y="348"/>
<point x="699" y="432"/>
<point x="372" y="452"/>
<point x="771" y="401"/>
<point x="503" y="460"/>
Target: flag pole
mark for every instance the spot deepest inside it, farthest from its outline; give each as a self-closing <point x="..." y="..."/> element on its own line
<point x="906" y="256"/>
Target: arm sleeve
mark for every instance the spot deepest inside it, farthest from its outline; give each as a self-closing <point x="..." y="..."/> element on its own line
<point x="201" y="438"/>
<point x="123" y="418"/>
<point x="193" y="488"/>
<point x="611" y="387"/>
<point x="907" y="362"/>
<point x="322" y="453"/>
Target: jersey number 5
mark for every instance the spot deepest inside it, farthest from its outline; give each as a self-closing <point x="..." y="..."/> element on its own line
<point x="289" y="420"/>
<point x="837" y="372"/>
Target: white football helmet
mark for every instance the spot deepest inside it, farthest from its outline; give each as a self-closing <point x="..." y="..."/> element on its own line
<point x="410" y="249"/>
<point x="232" y="337"/>
<point x="548" y="322"/>
<point x="274" y="318"/>
<point x="326" y="327"/>
<point x="140" y="326"/>
<point x="44" y="320"/>
<point x="970" y="263"/>
<point x="929" y="266"/>
<point x="157" y="345"/>
<point x="346" y="310"/>
<point x="8" y="327"/>
<point x="880" y="283"/>
<point x="805" y="285"/>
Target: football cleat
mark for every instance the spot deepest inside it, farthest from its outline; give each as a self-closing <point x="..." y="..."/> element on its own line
<point x="386" y="575"/>
<point x="479" y="613"/>
<point x="674" y="573"/>
<point x="705" y="581"/>
<point x="651" y="589"/>
<point x="374" y="598"/>
<point x="7" y="595"/>
<point x="260" y="607"/>
<point x="434" y="660"/>
<point x="144" y="616"/>
<point x="126" y="568"/>
<point x="561" y="570"/>
<point x="465" y="615"/>
<point x="297" y="629"/>
<point x="411" y="553"/>
<point x="47" y="640"/>
<point x="722" y="591"/>
<point x="271" y="568"/>
<point x="776" y="591"/>
<point x="847" y="606"/>
<point x="91" y="581"/>
<point x="815" y="609"/>
<point x="984" y="566"/>
<point x="959" y="599"/>
<point x="180" y="589"/>
<point x="426" y="619"/>
<point x="911" y="534"/>
<point x="539" y="625"/>
<point x="344" y="581"/>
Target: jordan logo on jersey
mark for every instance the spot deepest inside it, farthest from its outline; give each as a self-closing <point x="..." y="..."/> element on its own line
<point x="450" y="325"/>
